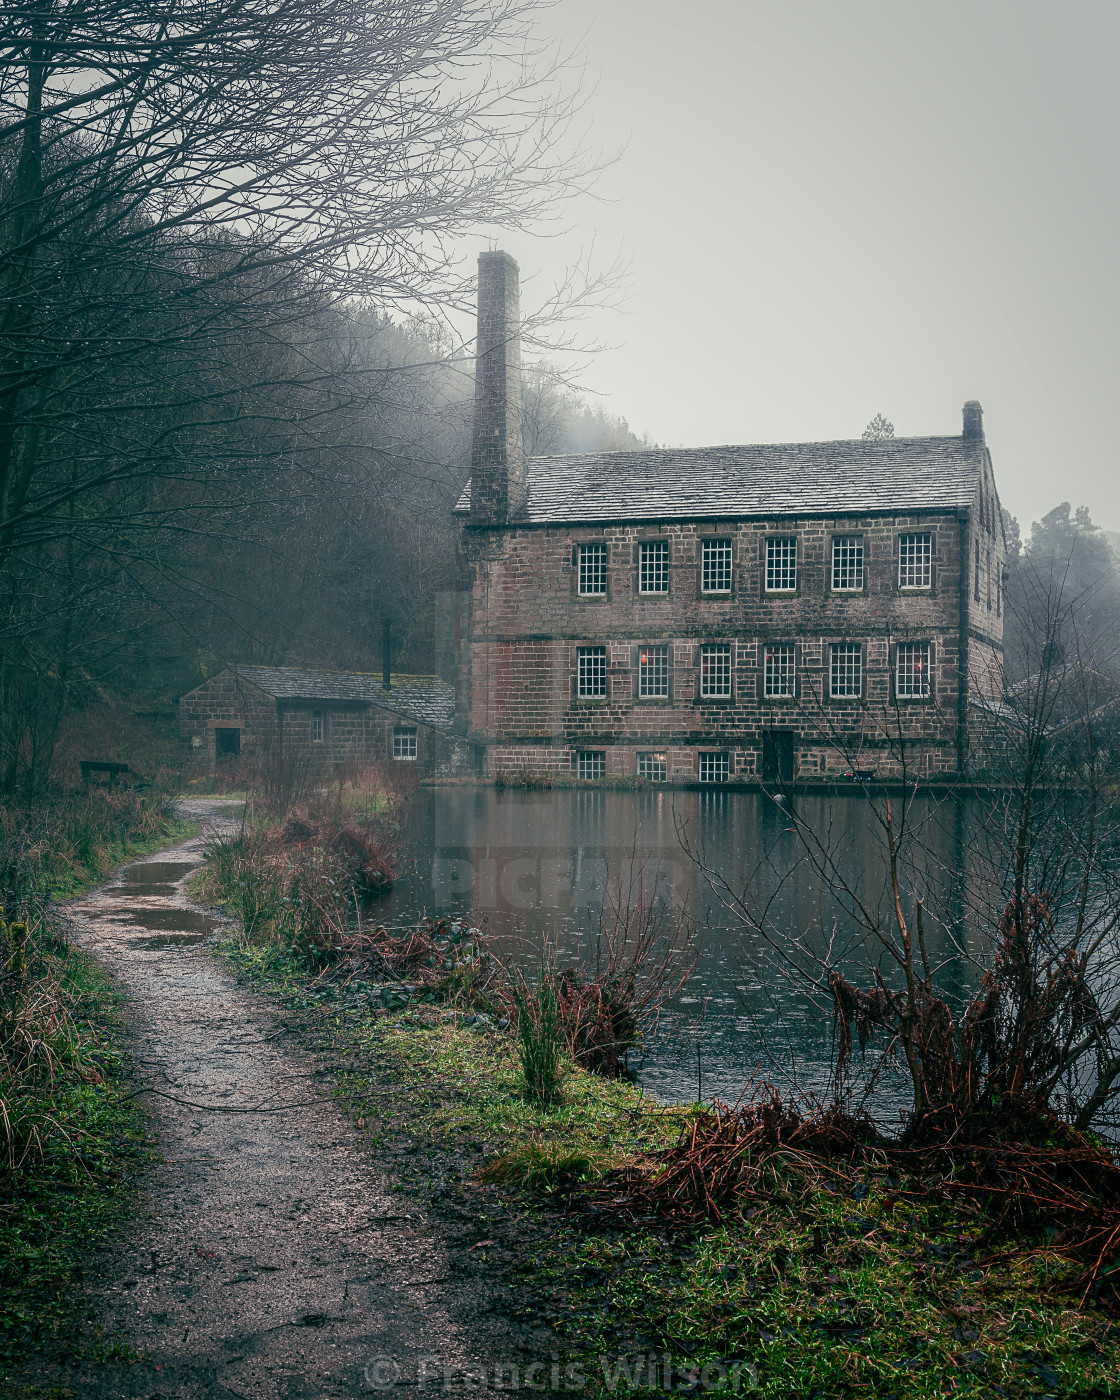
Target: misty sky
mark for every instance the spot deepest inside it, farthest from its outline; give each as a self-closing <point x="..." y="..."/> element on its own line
<point x="833" y="208"/>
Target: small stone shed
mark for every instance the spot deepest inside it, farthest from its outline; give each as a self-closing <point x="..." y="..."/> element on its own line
<point x="337" y="718"/>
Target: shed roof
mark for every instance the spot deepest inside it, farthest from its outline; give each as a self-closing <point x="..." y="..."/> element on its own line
<point x="802" y="478"/>
<point x="426" y="699"/>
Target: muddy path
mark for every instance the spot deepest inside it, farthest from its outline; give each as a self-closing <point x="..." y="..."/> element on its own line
<point x="269" y="1258"/>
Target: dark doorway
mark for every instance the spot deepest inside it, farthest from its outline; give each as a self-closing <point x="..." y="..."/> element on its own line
<point x="227" y="744"/>
<point x="778" y="756"/>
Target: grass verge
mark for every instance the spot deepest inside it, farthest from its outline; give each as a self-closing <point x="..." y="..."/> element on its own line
<point x="57" y="849"/>
<point x="64" y="1205"/>
<point x="833" y="1283"/>
<point x="73" y="1143"/>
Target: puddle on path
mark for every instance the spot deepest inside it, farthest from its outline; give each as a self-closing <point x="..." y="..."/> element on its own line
<point x="158" y="872"/>
<point x="155" y="877"/>
<point x="168" y="940"/>
<point x="177" y="920"/>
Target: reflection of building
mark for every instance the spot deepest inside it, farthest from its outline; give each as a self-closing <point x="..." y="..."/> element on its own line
<point x="720" y="613"/>
<point x="328" y="718"/>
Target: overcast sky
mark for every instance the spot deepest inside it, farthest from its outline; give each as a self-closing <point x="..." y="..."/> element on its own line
<point x="833" y="208"/>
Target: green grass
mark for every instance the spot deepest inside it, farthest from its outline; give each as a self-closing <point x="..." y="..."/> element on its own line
<point x="475" y="1080"/>
<point x="57" y="1212"/>
<point x="834" y="1284"/>
<point x="822" y="1296"/>
<point x="66" y="1202"/>
<point x="57" y="849"/>
<point x="66" y="883"/>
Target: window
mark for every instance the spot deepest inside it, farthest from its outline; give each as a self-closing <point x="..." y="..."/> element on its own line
<point x="593" y="570"/>
<point x="911" y="671"/>
<point x="404" y="742"/>
<point x="777" y="670"/>
<point x="715" y="671"/>
<point x="915" y="561"/>
<point x="781" y="565"/>
<point x="316" y="726"/>
<point x="847" y="564"/>
<point x="845" y="672"/>
<point x="713" y="767"/>
<point x="592" y="673"/>
<point x="988" y="577"/>
<point x="999" y="596"/>
<point x="591" y="763"/>
<point x="653" y="673"/>
<point x="653" y="566"/>
<point x="653" y="767"/>
<point x="976" y="573"/>
<point x="227" y="743"/>
<point x="716" y="573"/>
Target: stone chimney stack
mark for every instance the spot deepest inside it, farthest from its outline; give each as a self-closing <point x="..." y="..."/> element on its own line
<point x="497" y="459"/>
<point x="973" y="420"/>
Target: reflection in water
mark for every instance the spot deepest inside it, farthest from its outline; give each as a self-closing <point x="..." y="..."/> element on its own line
<point x="535" y="865"/>
<point x="157" y="872"/>
<point x="163" y="917"/>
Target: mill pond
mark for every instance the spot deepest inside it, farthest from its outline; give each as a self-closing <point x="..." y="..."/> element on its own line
<point x="534" y="865"/>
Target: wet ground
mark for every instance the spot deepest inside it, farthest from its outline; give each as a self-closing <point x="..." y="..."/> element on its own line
<point x="270" y="1259"/>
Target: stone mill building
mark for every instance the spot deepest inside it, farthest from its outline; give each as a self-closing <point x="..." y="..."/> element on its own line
<point x="720" y="614"/>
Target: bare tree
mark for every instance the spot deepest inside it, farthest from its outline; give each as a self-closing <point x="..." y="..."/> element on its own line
<point x="202" y="216"/>
<point x="995" y="980"/>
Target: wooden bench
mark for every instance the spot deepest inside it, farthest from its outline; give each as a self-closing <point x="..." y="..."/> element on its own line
<point x="101" y="773"/>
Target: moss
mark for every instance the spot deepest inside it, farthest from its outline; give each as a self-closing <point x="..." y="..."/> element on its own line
<point x="834" y="1284"/>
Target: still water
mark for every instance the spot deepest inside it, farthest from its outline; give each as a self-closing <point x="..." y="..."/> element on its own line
<point x="535" y="866"/>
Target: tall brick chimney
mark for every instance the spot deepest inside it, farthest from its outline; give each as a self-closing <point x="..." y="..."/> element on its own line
<point x="497" y="459"/>
<point x="973" y="420"/>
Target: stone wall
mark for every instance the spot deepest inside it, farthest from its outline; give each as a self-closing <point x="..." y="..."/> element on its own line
<point x="526" y="621"/>
<point x="223" y="702"/>
<point x="351" y="734"/>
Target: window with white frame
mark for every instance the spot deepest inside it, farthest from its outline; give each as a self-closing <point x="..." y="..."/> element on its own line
<point x="781" y="564"/>
<point x="653" y="566"/>
<point x="911" y="671"/>
<point x="845" y="671"/>
<point x="593" y="570"/>
<point x="317" y="726"/>
<point x="777" y="671"/>
<point x="847" y="564"/>
<point x="915" y="560"/>
<point x="715" y="671"/>
<point x="714" y="767"/>
<point x="715" y="574"/>
<point x="404" y="742"/>
<point x="592" y="672"/>
<point x="653" y="673"/>
<point x="591" y="763"/>
<point x="653" y="766"/>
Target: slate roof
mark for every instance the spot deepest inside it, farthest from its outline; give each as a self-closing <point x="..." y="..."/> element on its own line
<point x="426" y="699"/>
<point x="801" y="478"/>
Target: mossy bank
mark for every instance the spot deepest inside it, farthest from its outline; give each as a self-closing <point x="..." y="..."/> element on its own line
<point x="835" y="1283"/>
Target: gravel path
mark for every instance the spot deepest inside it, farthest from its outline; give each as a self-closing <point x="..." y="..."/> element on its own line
<point x="272" y="1260"/>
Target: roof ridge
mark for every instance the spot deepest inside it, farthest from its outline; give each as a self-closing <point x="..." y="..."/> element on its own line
<point x="331" y="671"/>
<point x="863" y="443"/>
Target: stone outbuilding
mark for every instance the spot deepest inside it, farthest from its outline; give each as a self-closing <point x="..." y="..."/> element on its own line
<point x="335" y="718"/>
<point x="723" y="614"/>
